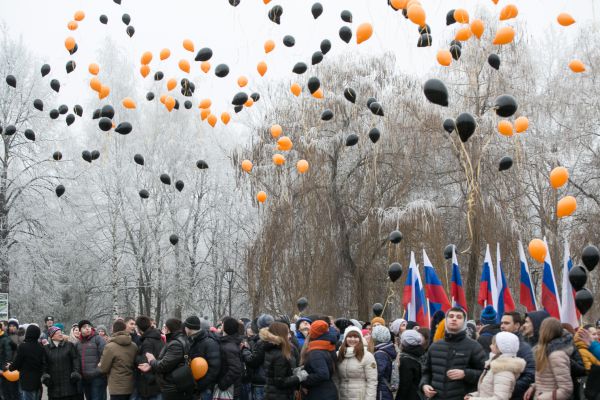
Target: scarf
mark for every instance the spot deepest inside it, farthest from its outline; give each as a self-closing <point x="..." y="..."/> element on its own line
<point x="321" y="345"/>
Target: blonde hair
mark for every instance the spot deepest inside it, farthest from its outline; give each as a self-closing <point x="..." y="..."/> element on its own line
<point x="550" y="330"/>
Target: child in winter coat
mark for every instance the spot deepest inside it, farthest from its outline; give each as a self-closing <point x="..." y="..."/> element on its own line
<point x="356" y="368"/>
<point x="502" y="369"/>
<point x="385" y="354"/>
<point x="410" y="365"/>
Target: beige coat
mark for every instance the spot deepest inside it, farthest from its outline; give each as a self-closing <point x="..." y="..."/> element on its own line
<point x="357" y="380"/>
<point x="555" y="377"/>
<point x="498" y="380"/>
<point x="118" y="362"/>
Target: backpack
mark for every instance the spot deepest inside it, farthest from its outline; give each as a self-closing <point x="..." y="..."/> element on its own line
<point x="182" y="376"/>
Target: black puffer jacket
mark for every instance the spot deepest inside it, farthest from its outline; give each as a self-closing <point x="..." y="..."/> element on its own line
<point x="61" y="362"/>
<point x="486" y="335"/>
<point x="281" y="383"/>
<point x="30" y="361"/>
<point x="206" y="345"/>
<point x="150" y="342"/>
<point x="456" y="351"/>
<point x="231" y="364"/>
<point x="170" y="358"/>
<point x="254" y="358"/>
<point x="410" y="372"/>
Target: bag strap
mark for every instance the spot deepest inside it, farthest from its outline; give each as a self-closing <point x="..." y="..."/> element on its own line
<point x="186" y="349"/>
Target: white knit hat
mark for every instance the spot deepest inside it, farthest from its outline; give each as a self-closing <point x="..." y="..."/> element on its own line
<point x="507" y="343"/>
<point x="395" y="326"/>
<point x="352" y="328"/>
<point x="411" y="337"/>
<point x="381" y="334"/>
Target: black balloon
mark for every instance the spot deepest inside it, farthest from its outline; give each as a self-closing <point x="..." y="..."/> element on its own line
<point x="144" y="194"/>
<point x="54" y="113"/>
<point x="456" y="43"/>
<point x="424" y="29"/>
<point x="204" y="54"/>
<point x="316" y="58"/>
<point x="60" y="190"/>
<point x="346" y="16"/>
<point x="299" y="68"/>
<point x="377" y="309"/>
<point x="107" y="111"/>
<point x="448" y="251"/>
<point x="578" y="277"/>
<point x="139" y="159"/>
<point x="187" y="104"/>
<point x="370" y="101"/>
<point x="149" y="96"/>
<point x="455" y="51"/>
<point x="104" y="19"/>
<point x="45" y="70"/>
<point x="327" y="115"/>
<point x="95" y="155"/>
<point x="436" y="92"/>
<point x="126" y="19"/>
<point x="63" y="109"/>
<point x="234" y="3"/>
<point x="374" y="135"/>
<point x="130" y="31"/>
<point x="70" y="67"/>
<point x="255" y="97"/>
<point x="239" y="99"/>
<point x="316" y="10"/>
<point x="174" y="239"/>
<point x="70" y="119"/>
<point x="38" y="104"/>
<point x="158" y="75"/>
<point x="505" y="163"/>
<point x="289" y="41"/>
<point x="584" y="300"/>
<point x="351" y="139"/>
<point x="494" y="61"/>
<point x="395" y="237"/>
<point x="105" y="124"/>
<point x="425" y="40"/>
<point x="55" y="85"/>
<point x="345" y="34"/>
<point x="29" y="134"/>
<point x="395" y="271"/>
<point x="465" y="125"/>
<point x="302" y="303"/>
<point x="117" y="2"/>
<point x="449" y="125"/>
<point x="57" y="156"/>
<point x="376" y="108"/>
<point x="74" y="50"/>
<point x="124" y="128"/>
<point x="11" y="81"/>
<point x="166" y="179"/>
<point x="237" y="109"/>
<point x="78" y="110"/>
<point x="97" y="113"/>
<point x="505" y="105"/>
<point x="325" y="46"/>
<point x="222" y="70"/>
<point x="10" y="130"/>
<point x="179" y="185"/>
<point x="350" y="95"/>
<point x="450" y="18"/>
<point x="87" y="156"/>
<point x="275" y="14"/>
<point x="590" y="257"/>
<point x="201" y="164"/>
<point x="313" y="84"/>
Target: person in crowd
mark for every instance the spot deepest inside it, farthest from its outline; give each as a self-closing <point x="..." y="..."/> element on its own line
<point x="62" y="371"/>
<point x="74" y="334"/>
<point x="147" y="386"/>
<point x="10" y="390"/>
<point x="254" y="357"/>
<point x="48" y="322"/>
<point x="426" y="333"/>
<point x="280" y="362"/>
<point x="171" y="357"/>
<point x="472" y="330"/>
<point x="90" y="348"/>
<point x="302" y="330"/>
<point x="206" y="345"/>
<point x="118" y="362"/>
<point x="501" y="370"/>
<point x="318" y="360"/>
<point x="130" y="323"/>
<point x="13" y="333"/>
<point x="397" y="327"/>
<point x="103" y="333"/>
<point x="511" y="322"/>
<point x="412" y="325"/>
<point x="410" y="365"/>
<point x="453" y="365"/>
<point x="30" y="362"/>
<point x="552" y="364"/>
<point x="385" y="354"/>
<point x="531" y="325"/>
<point x="437" y="318"/>
<point x="356" y="368"/>
<point x="489" y="329"/>
<point x="246" y="378"/>
<point x="230" y="376"/>
<point x="366" y="334"/>
<point x="583" y="340"/>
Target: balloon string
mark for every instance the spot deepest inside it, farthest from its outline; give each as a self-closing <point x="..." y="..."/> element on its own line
<point x="389" y="297"/>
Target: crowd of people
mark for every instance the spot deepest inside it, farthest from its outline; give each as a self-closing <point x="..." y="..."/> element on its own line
<point x="513" y="356"/>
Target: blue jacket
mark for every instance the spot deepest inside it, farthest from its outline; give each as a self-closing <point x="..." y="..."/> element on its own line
<point x="301" y="340"/>
<point x="595" y="349"/>
<point x="527" y="377"/>
<point x="320" y="367"/>
<point x="385" y="354"/>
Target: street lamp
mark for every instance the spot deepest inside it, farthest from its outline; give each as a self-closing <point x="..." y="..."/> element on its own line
<point x="229" y="273"/>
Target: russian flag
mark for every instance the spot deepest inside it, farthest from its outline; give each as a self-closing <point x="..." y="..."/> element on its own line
<point x="505" y="300"/>
<point x="456" y="291"/>
<point x="488" y="290"/>
<point x="550" y="298"/>
<point x="413" y="298"/>
<point x="438" y="300"/>
<point x="568" y="311"/>
<point x="527" y="293"/>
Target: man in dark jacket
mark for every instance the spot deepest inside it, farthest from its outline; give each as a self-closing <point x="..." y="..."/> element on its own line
<point x="48" y="323"/>
<point x="489" y="329"/>
<point x="511" y="322"/>
<point x="532" y="324"/>
<point x="30" y="362"/>
<point x="454" y="364"/>
<point x="135" y="338"/>
<point x="231" y="361"/>
<point x="150" y="342"/>
<point x="206" y="345"/>
<point x="62" y="371"/>
<point x="254" y="357"/>
<point x="90" y="348"/>
<point x="10" y="391"/>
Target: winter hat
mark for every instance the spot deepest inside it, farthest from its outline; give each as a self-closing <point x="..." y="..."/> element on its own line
<point x="32" y="334"/>
<point x="60" y="326"/>
<point x="488" y="315"/>
<point x="84" y="322"/>
<point x="231" y="326"/>
<point x="411" y="325"/>
<point x="411" y="337"/>
<point x="52" y="330"/>
<point x="204" y="324"/>
<point x="14" y="322"/>
<point x="507" y="343"/>
<point x="378" y="320"/>
<point x="264" y="321"/>
<point x="395" y="326"/>
<point x="192" y="323"/>
<point x="381" y="334"/>
<point x="361" y="335"/>
<point x="302" y="319"/>
<point x="342" y="324"/>
<point x="356" y="323"/>
<point x="49" y="318"/>
<point x="365" y="332"/>
<point x="318" y="329"/>
<point x="101" y="328"/>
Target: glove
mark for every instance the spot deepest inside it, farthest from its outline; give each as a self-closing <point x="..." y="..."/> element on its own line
<point x="46" y="379"/>
<point x="75" y="377"/>
<point x="302" y="375"/>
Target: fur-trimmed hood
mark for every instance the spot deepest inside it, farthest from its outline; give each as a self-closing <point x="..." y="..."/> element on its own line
<point x="516" y="365"/>
<point x="268" y="337"/>
<point x="564" y="343"/>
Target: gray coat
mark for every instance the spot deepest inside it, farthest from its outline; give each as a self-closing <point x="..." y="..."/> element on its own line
<point x="90" y="351"/>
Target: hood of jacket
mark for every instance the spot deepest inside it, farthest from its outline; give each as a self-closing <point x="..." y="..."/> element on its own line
<point x="151" y="333"/>
<point x="503" y="363"/>
<point x="389" y="348"/>
<point x="268" y="337"/>
<point x="121" y="338"/>
<point x="235" y="339"/>
<point x="564" y="343"/>
<point x="537" y="317"/>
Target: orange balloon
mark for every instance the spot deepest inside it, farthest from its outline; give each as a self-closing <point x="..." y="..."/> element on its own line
<point x="188" y="45"/>
<point x="509" y="11"/>
<point x="276" y="131"/>
<point x="145" y="70"/>
<point x="261" y="196"/>
<point x="184" y="65"/>
<point x="249" y="103"/>
<point x="164" y="54"/>
<point x="242" y="81"/>
<point x="163" y="98"/>
<point x="205" y="103"/>
<point x="565" y="19"/>
<point x="398" y="4"/>
<point x="278" y="159"/>
<point x="318" y="94"/>
<point x="504" y="35"/>
<point x="266" y="1"/>
<point x="94" y="68"/>
<point x="79" y="16"/>
<point x="296" y="89"/>
<point x="212" y="120"/>
<point x="262" y="68"/>
<point x="416" y="14"/>
<point x="363" y="32"/>
<point x="284" y="144"/>
<point x="269" y="46"/>
<point x="70" y="43"/>
<point x="505" y="128"/>
<point x="204" y="113"/>
<point x="169" y="103"/>
<point x="205" y="67"/>
<point x="128" y="103"/>
<point x="463" y="34"/>
<point x="477" y="27"/>
<point x="566" y="206"/>
<point x="199" y="368"/>
<point x="225" y="118"/>
<point x="146" y="58"/>
<point x="577" y="66"/>
<point x="72" y="25"/>
<point x="461" y="16"/>
<point x="444" y="57"/>
<point x="302" y="166"/>
<point x="495" y="1"/>
<point x="521" y="124"/>
<point x="104" y="92"/>
<point x="171" y="84"/>
<point x="11" y="376"/>
<point x="538" y="250"/>
<point x="558" y="177"/>
<point x="95" y="84"/>
<point x="247" y="165"/>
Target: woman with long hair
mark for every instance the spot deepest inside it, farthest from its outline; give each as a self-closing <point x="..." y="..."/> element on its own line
<point x="279" y="363"/>
<point x="74" y="335"/>
<point x="356" y="368"/>
<point x="552" y="364"/>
